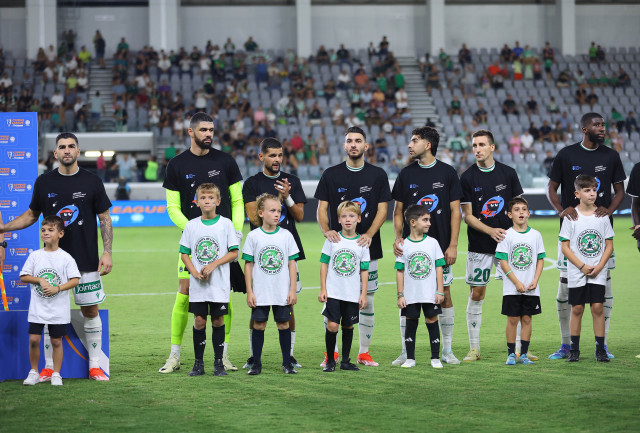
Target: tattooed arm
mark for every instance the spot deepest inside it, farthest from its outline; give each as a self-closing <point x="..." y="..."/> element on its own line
<point x="106" y="231"/>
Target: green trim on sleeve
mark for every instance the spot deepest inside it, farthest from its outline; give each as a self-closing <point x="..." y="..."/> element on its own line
<point x="233" y="247"/>
<point x="562" y="239"/>
<point x="399" y="266"/>
<point x="293" y="257"/>
<point x="541" y="256"/>
<point x="502" y="256"/>
<point x="237" y="205"/>
<point x="247" y="257"/>
<point x="364" y="266"/>
<point x="324" y="258"/>
<point x="608" y="239"/>
<point x="174" y="210"/>
<point x="441" y="262"/>
<point x="185" y="250"/>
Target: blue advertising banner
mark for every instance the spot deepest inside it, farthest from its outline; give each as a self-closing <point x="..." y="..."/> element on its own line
<point x="18" y="172"/>
<point x="142" y="213"/>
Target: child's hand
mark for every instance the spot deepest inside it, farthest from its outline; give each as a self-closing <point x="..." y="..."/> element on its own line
<point x="402" y="303"/>
<point x="587" y="269"/>
<point x="50" y="290"/>
<point x="520" y="287"/>
<point x="363" y="301"/>
<point x="292" y="298"/>
<point x="251" y="300"/>
<point x="208" y="270"/>
<point x="439" y="299"/>
<point x="595" y="270"/>
<point x="198" y="276"/>
<point x="532" y="286"/>
<point x="322" y="297"/>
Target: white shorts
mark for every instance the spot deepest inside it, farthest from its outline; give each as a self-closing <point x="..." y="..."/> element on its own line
<point x="447" y="275"/>
<point x="372" y="285"/>
<point x="298" y="284"/>
<point x="89" y="291"/>
<point x="479" y="268"/>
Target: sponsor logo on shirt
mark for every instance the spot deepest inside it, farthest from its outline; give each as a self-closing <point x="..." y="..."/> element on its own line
<point x="68" y="214"/>
<point x="600" y="168"/>
<point x="419" y="265"/>
<point x="438" y="185"/>
<point x="521" y="256"/>
<point x="213" y="173"/>
<point x="430" y="201"/>
<point x="51" y="275"/>
<point x="342" y="189"/>
<point x="590" y="243"/>
<point x="477" y="189"/>
<point x="207" y="250"/>
<point x="271" y="260"/>
<point x="365" y="188"/>
<point x="78" y="195"/>
<point x="18" y="154"/>
<point x="52" y="194"/>
<point x="576" y="167"/>
<point x="492" y="207"/>
<point x="190" y="176"/>
<point x="413" y="185"/>
<point x="362" y="203"/>
<point x="344" y="262"/>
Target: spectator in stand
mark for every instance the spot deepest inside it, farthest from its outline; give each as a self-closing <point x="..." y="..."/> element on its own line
<point x="592" y="99"/>
<point x="464" y="55"/>
<point x="315" y="115"/>
<point x="322" y="144"/>
<point x="122" y="118"/>
<point x="548" y="53"/>
<point x="297" y="144"/>
<point x="455" y="107"/>
<point x="428" y="122"/>
<point x="546" y="132"/>
<point x="558" y="133"/>
<point x="527" y="142"/>
<point x="517" y="51"/>
<point x="516" y="66"/>
<point x="534" y="131"/>
<point x="617" y="119"/>
<point x="123" y="47"/>
<point x="185" y="66"/>
<point x="84" y="55"/>
<point x="229" y="48"/>
<point x="322" y="56"/>
<point x="99" y="44"/>
<point x="39" y="63"/>
<point x="344" y="80"/>
<point x="52" y="54"/>
<point x="623" y="79"/>
<point x="398" y="78"/>
<point x="164" y="65"/>
<point x="617" y="142"/>
<point x="630" y="123"/>
<point x="515" y="143"/>
<point x="401" y="98"/>
<point x="204" y="63"/>
<point x="531" y="106"/>
<point x="97" y="107"/>
<point x="548" y="162"/>
<point x="57" y="99"/>
<point x="600" y="55"/>
<point x="337" y="115"/>
<point x="506" y="54"/>
<point x="82" y="83"/>
<point x="509" y="106"/>
<point x="126" y="166"/>
<point x="250" y="46"/>
<point x="433" y="79"/>
<point x="371" y="51"/>
<point x="469" y="81"/>
<point x="553" y="107"/>
<point x="69" y="37"/>
<point x="564" y="79"/>
<point x="383" y="47"/>
<point x="343" y="55"/>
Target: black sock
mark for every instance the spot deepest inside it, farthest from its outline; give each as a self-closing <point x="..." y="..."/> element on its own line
<point x="434" y="339"/>
<point x="575" y="342"/>
<point x="347" y="338"/>
<point x="217" y="338"/>
<point x="285" y="345"/>
<point x="410" y="337"/>
<point x="199" y="342"/>
<point x="599" y="343"/>
<point x="511" y="348"/>
<point x="257" y="341"/>
<point x="330" y="341"/>
<point x="525" y="346"/>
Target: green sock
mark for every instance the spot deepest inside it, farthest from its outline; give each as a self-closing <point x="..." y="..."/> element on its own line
<point x="227" y="323"/>
<point x="179" y="318"/>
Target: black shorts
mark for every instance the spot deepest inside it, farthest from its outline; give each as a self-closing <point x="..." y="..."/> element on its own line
<point x="587" y="294"/>
<point x="209" y="308"/>
<point x="347" y="313"/>
<point x="521" y="305"/>
<point x="281" y="313"/>
<point x="55" y="331"/>
<point x="413" y="310"/>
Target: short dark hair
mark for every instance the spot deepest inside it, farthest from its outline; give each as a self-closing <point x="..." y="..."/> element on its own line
<point x="198" y="118"/>
<point x="517" y="200"/>
<point x="484" y="133"/>
<point x="65" y="135"/>
<point x="415" y="211"/>
<point x="584" y="181"/>
<point x="53" y="220"/>
<point x="269" y="143"/>
<point x="355" y="130"/>
<point x="588" y="118"/>
<point x="429" y="134"/>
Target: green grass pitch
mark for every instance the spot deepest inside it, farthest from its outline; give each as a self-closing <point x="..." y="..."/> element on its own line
<point x="480" y="396"/>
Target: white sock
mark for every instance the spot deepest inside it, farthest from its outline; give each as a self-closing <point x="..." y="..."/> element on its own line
<point x="366" y="324"/>
<point x="446" y="320"/>
<point x="518" y="339"/>
<point x="325" y="328"/>
<point x="250" y="343"/>
<point x="608" y="307"/>
<point x="224" y="351"/>
<point x="293" y="341"/>
<point x="403" y="328"/>
<point x="564" y="311"/>
<point x="93" y="334"/>
<point x="175" y="350"/>
<point x="474" y="321"/>
<point x="48" y="349"/>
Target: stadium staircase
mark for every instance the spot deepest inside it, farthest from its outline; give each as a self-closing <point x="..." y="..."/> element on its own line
<point x="100" y="80"/>
<point x="420" y="102"/>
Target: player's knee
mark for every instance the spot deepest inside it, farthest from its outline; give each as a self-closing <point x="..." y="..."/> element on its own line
<point x="89" y="311"/>
<point x="282" y="325"/>
<point x="346" y="327"/>
<point x="577" y="310"/>
<point x="56" y="342"/>
<point x="526" y="320"/>
<point x="597" y="309"/>
<point x="431" y="319"/>
<point x="200" y="322"/>
<point x="477" y="293"/>
<point x="34" y="341"/>
<point x="183" y="287"/>
<point x="216" y="321"/>
<point x="332" y="326"/>
<point x="513" y="321"/>
<point x="259" y="326"/>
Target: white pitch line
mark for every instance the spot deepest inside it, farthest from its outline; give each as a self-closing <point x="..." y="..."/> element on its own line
<point x="547" y="259"/>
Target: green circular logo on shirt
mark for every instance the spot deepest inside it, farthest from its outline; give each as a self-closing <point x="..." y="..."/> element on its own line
<point x="344" y="263"/>
<point x="207" y="250"/>
<point x="420" y="265"/>
<point x="271" y="260"/>
<point x="521" y="256"/>
<point x="51" y="275"/>
<point x="590" y="243"/>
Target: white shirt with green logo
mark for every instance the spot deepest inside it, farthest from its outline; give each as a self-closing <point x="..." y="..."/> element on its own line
<point x="419" y="261"/>
<point x="522" y="250"/>
<point x="207" y="241"/>
<point x="345" y="259"/>
<point x="270" y="253"/>
<point x="586" y="236"/>
<point x="58" y="267"/>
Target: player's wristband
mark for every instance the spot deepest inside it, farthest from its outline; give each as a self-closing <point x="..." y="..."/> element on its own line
<point x="289" y="201"/>
<point x="507" y="274"/>
<point x="582" y="266"/>
<point x="438" y="293"/>
<point x="400" y="295"/>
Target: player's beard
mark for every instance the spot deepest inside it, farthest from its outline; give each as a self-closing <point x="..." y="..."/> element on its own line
<point x="271" y="170"/>
<point x="69" y="163"/>
<point x="355" y="157"/>
<point x="595" y="139"/>
<point x="201" y="144"/>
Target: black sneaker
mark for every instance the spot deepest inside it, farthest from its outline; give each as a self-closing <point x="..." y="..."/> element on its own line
<point x="346" y="365"/>
<point x="331" y="366"/>
<point x="601" y="355"/>
<point x="218" y="368"/>
<point x="294" y="363"/>
<point x="255" y="370"/>
<point x="574" y="356"/>
<point x="288" y="369"/>
<point x="198" y="368"/>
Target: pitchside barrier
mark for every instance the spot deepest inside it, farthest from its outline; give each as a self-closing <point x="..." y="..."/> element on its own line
<point x="14" y="346"/>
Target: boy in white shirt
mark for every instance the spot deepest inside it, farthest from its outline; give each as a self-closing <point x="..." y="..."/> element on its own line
<point x="51" y="272"/>
<point x="420" y="283"/>
<point x="344" y="275"/>
<point x="587" y="243"/>
<point x="270" y="253"/>
<point x="208" y="244"/>
<point x="521" y="247"/>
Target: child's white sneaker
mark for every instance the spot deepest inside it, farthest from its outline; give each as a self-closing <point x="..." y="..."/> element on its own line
<point x="32" y="378"/>
<point x="409" y="363"/>
<point x="435" y="363"/>
<point x="56" y="379"/>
